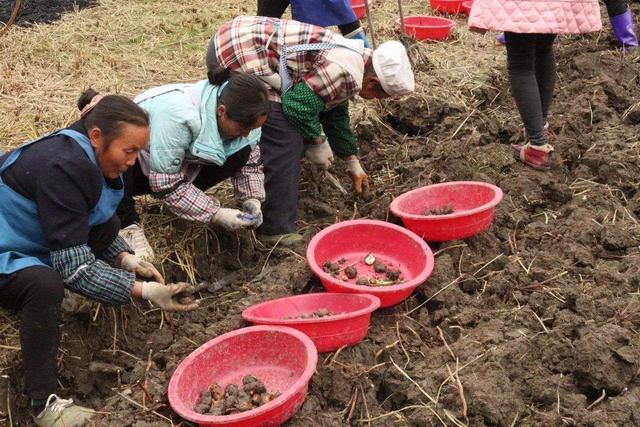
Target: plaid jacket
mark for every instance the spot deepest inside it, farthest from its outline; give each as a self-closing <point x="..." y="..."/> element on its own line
<point x="240" y="45"/>
<point x="94" y="278"/>
<point x="189" y="202"/>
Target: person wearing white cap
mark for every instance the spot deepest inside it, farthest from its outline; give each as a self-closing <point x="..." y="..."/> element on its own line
<point x="311" y="73"/>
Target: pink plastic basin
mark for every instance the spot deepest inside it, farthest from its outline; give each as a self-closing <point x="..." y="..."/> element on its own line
<point x="359" y="8"/>
<point x="389" y="243"/>
<point x="447" y="6"/>
<point x="347" y="326"/>
<point x="466" y="7"/>
<point x="284" y="359"/>
<point x="473" y="206"/>
<point x="424" y="27"/>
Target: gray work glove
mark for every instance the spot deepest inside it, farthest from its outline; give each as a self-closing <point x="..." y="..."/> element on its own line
<point x="166" y="297"/>
<point x="252" y="210"/>
<point x="233" y="219"/>
<point x="319" y="152"/>
<point x="134" y="264"/>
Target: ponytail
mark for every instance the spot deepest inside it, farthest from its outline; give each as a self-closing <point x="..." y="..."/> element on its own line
<point x="219" y="75"/>
<point x="86" y="97"/>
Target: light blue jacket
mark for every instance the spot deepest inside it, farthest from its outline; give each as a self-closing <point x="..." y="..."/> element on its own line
<point x="184" y="126"/>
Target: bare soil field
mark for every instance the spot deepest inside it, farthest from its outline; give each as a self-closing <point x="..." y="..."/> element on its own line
<point x="533" y="322"/>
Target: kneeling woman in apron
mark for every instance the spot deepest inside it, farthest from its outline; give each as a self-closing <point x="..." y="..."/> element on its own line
<point x="201" y="134"/>
<point x="59" y="229"/>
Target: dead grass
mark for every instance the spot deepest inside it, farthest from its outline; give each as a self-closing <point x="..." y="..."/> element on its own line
<point x="121" y="47"/>
<point x="126" y="47"/>
<point x="454" y="70"/>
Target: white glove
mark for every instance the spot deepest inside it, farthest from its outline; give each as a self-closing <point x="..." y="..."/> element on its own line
<point x="233" y="219"/>
<point x="142" y="268"/>
<point x="166" y="296"/>
<point x="252" y="209"/>
<point x="319" y="152"/>
<point x="358" y="175"/>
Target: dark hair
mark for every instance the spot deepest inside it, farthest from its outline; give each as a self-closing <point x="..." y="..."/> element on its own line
<point x="245" y="96"/>
<point x="110" y="114"/>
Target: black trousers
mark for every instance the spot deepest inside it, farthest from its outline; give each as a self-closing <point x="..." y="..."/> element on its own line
<point x="615" y="7"/>
<point x="36" y="293"/>
<point x="136" y="183"/>
<point x="276" y="8"/>
<point x="282" y="149"/>
<point x="532" y="72"/>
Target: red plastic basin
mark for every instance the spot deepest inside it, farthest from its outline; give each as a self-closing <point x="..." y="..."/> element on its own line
<point x="284" y="359"/>
<point x="389" y="243"/>
<point x="466" y="7"/>
<point x="359" y="8"/>
<point x="447" y="6"/>
<point x="424" y="27"/>
<point x="473" y="206"/>
<point x="348" y="326"/>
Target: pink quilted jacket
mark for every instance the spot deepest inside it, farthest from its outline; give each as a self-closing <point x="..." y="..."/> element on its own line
<point x="536" y="16"/>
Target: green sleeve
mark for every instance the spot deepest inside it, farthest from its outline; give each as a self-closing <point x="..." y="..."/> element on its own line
<point x="337" y="128"/>
<point x="302" y="108"/>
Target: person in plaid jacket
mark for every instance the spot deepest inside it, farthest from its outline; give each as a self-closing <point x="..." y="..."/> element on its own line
<point x="311" y="73"/>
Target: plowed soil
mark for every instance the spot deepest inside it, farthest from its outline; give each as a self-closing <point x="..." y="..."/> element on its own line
<point x="533" y="322"/>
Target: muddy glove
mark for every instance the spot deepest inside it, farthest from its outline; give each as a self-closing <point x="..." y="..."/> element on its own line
<point x="252" y="210"/>
<point x="319" y="152"/>
<point x="233" y="219"/>
<point x="142" y="268"/>
<point x="359" y="177"/>
<point x="167" y="296"/>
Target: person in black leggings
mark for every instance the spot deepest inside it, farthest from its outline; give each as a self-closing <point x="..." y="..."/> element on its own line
<point x="352" y="29"/>
<point x="532" y="70"/>
<point x="621" y="23"/>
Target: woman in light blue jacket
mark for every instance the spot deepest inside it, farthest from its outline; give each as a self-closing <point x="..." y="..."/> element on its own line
<point x="201" y="134"/>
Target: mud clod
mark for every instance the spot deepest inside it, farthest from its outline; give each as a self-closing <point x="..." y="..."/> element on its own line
<point x="186" y="299"/>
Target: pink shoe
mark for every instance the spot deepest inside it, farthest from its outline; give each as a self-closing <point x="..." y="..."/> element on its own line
<point x="537" y="156"/>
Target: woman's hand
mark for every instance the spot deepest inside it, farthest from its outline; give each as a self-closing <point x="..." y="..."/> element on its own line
<point x="145" y="269"/>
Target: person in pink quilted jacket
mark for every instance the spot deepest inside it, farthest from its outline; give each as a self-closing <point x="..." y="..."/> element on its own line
<point x="622" y="25"/>
<point x="530" y="28"/>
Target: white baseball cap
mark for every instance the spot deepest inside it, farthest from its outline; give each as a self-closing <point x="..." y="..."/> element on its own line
<point x="392" y="67"/>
